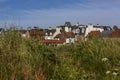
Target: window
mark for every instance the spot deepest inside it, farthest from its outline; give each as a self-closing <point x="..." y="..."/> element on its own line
<point x="83" y="30"/>
<point x="67" y="40"/>
<point x="108" y="29"/>
<point x="50" y="33"/>
<point x="77" y="30"/>
<point x="46" y="34"/>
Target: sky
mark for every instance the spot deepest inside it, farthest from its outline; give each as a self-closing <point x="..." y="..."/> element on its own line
<point x="45" y="13"/>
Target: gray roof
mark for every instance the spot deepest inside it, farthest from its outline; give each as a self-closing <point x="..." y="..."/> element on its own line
<point x="1" y="29"/>
<point x="58" y="36"/>
<point x="50" y="31"/>
<point x="105" y="33"/>
<point x="71" y="36"/>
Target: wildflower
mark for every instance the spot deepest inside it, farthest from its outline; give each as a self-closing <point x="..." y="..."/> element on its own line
<point x="108" y="72"/>
<point x="116" y="69"/>
<point x="115" y="74"/>
<point x="104" y="59"/>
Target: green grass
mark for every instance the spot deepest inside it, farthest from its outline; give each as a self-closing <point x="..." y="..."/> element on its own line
<point x="85" y="60"/>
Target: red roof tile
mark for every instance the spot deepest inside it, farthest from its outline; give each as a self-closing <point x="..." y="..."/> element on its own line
<point x="53" y="41"/>
<point x="94" y="33"/>
<point x="36" y="32"/>
<point x="115" y="33"/>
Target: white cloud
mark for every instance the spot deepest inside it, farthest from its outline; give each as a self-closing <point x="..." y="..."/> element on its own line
<point x="4" y="9"/>
<point x="3" y="0"/>
<point x="105" y="14"/>
<point x="54" y="17"/>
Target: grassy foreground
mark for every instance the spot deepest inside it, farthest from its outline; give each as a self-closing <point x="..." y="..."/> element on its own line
<point x="27" y="59"/>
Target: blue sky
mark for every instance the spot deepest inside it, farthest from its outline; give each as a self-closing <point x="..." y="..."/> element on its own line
<point x="45" y="13"/>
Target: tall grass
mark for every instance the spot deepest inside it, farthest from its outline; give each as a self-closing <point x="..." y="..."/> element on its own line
<point x="28" y="59"/>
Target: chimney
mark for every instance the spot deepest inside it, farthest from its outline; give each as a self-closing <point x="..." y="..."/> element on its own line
<point x="98" y="25"/>
<point x="58" y="29"/>
<point x="77" y="24"/>
<point x="50" y="28"/>
<point x="90" y="24"/>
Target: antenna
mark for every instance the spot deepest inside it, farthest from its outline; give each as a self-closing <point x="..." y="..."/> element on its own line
<point x="19" y="22"/>
<point x="5" y="26"/>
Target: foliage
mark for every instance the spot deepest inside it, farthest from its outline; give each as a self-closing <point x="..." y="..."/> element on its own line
<point x="94" y="59"/>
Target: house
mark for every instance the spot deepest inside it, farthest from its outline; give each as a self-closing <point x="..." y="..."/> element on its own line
<point x="1" y="30"/>
<point x="35" y="33"/>
<point x="52" y="33"/>
<point x="61" y="35"/>
<point x="24" y="33"/>
<point x="70" y="37"/>
<point x="49" y="33"/>
<point x="94" y="33"/>
<point x="90" y="27"/>
<point x="116" y="32"/>
<point x="57" y="34"/>
<point x="68" y="27"/>
<point x="69" y="32"/>
<point x="106" y="33"/>
<point x="59" y="39"/>
<point x="53" y="36"/>
<point x="79" y="31"/>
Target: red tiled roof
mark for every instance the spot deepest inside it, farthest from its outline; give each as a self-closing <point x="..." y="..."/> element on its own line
<point x="53" y="41"/>
<point x="67" y="34"/>
<point x="94" y="33"/>
<point x="36" y="32"/>
<point x="58" y="41"/>
<point x="115" y="33"/>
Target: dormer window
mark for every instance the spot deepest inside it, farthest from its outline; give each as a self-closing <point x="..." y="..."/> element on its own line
<point x="50" y="33"/>
<point x="108" y="29"/>
<point x="77" y="31"/>
<point x="46" y="34"/>
<point x="83" y="30"/>
<point x="66" y="25"/>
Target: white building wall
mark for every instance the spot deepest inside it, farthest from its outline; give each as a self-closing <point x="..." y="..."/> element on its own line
<point x="91" y="28"/>
<point x="69" y="29"/>
<point x="48" y="37"/>
<point x="88" y="29"/>
<point x="57" y="32"/>
<point x="73" y="31"/>
<point x="72" y="40"/>
<point x="67" y="40"/>
<point x="96" y="29"/>
<point x="66" y="29"/>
